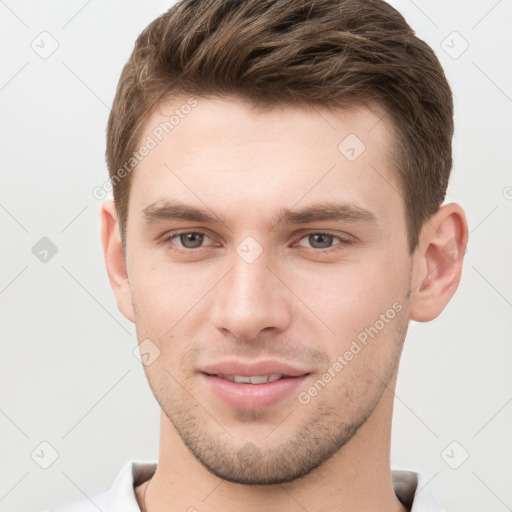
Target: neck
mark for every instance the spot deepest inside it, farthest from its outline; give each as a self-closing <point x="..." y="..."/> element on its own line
<point x="357" y="477"/>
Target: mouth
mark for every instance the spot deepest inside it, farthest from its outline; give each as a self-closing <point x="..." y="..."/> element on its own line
<point x="252" y="379"/>
<point x="252" y="392"/>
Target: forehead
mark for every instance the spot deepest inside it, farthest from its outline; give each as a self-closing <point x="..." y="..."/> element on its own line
<point x="226" y="155"/>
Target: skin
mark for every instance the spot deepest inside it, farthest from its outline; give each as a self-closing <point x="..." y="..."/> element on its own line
<point x="294" y="303"/>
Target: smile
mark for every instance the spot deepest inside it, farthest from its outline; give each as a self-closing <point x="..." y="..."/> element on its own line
<point x="253" y="379"/>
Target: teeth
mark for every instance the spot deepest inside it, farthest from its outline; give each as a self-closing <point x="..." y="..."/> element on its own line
<point x="253" y="379"/>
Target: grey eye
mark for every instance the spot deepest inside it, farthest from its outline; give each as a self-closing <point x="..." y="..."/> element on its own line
<point x="190" y="240"/>
<point x="320" y="240"/>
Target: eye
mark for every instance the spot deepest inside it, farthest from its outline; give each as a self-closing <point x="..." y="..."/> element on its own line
<point x="323" y="241"/>
<point x="187" y="240"/>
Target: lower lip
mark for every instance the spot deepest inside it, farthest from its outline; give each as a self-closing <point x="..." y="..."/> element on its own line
<point x="252" y="396"/>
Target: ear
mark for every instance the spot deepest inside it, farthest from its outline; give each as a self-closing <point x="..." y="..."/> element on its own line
<point x="438" y="262"/>
<point x="115" y="259"/>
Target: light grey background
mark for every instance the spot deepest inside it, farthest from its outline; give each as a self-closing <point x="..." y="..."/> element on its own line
<point x="67" y="369"/>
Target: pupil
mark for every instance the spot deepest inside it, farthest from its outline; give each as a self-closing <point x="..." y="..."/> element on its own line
<point x="327" y="239"/>
<point x="195" y="239"/>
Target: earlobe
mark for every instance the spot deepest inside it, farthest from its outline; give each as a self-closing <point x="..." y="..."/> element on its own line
<point x="438" y="262"/>
<point x="115" y="261"/>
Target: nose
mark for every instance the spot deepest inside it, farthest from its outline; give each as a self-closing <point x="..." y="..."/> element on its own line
<point x="251" y="298"/>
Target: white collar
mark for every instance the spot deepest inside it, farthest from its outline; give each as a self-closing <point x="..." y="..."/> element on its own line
<point x="411" y="489"/>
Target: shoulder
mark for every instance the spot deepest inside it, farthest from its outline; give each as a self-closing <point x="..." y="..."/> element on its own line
<point x="120" y="496"/>
<point x="413" y="491"/>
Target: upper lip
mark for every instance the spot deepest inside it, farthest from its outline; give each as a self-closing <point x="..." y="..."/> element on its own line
<point x="253" y="369"/>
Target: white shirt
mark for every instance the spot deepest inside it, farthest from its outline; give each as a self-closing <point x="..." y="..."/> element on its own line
<point x="410" y="487"/>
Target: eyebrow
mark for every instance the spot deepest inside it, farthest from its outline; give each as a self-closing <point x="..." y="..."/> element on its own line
<point x="326" y="211"/>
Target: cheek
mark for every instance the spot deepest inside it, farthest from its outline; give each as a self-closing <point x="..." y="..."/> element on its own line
<point x="167" y="299"/>
<point x="365" y="306"/>
<point x="163" y="293"/>
<point x="353" y="296"/>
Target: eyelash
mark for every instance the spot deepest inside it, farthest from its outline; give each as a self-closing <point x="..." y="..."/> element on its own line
<point x="167" y="241"/>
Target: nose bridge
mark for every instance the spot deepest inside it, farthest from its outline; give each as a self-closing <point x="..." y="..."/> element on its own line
<point x="251" y="298"/>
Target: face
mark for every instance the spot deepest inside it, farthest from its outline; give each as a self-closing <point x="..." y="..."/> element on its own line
<point x="298" y="267"/>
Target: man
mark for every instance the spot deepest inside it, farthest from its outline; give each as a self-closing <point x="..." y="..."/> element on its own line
<point x="279" y="170"/>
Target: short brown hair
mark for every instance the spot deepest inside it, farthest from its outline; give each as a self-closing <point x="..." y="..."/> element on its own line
<point x="330" y="53"/>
